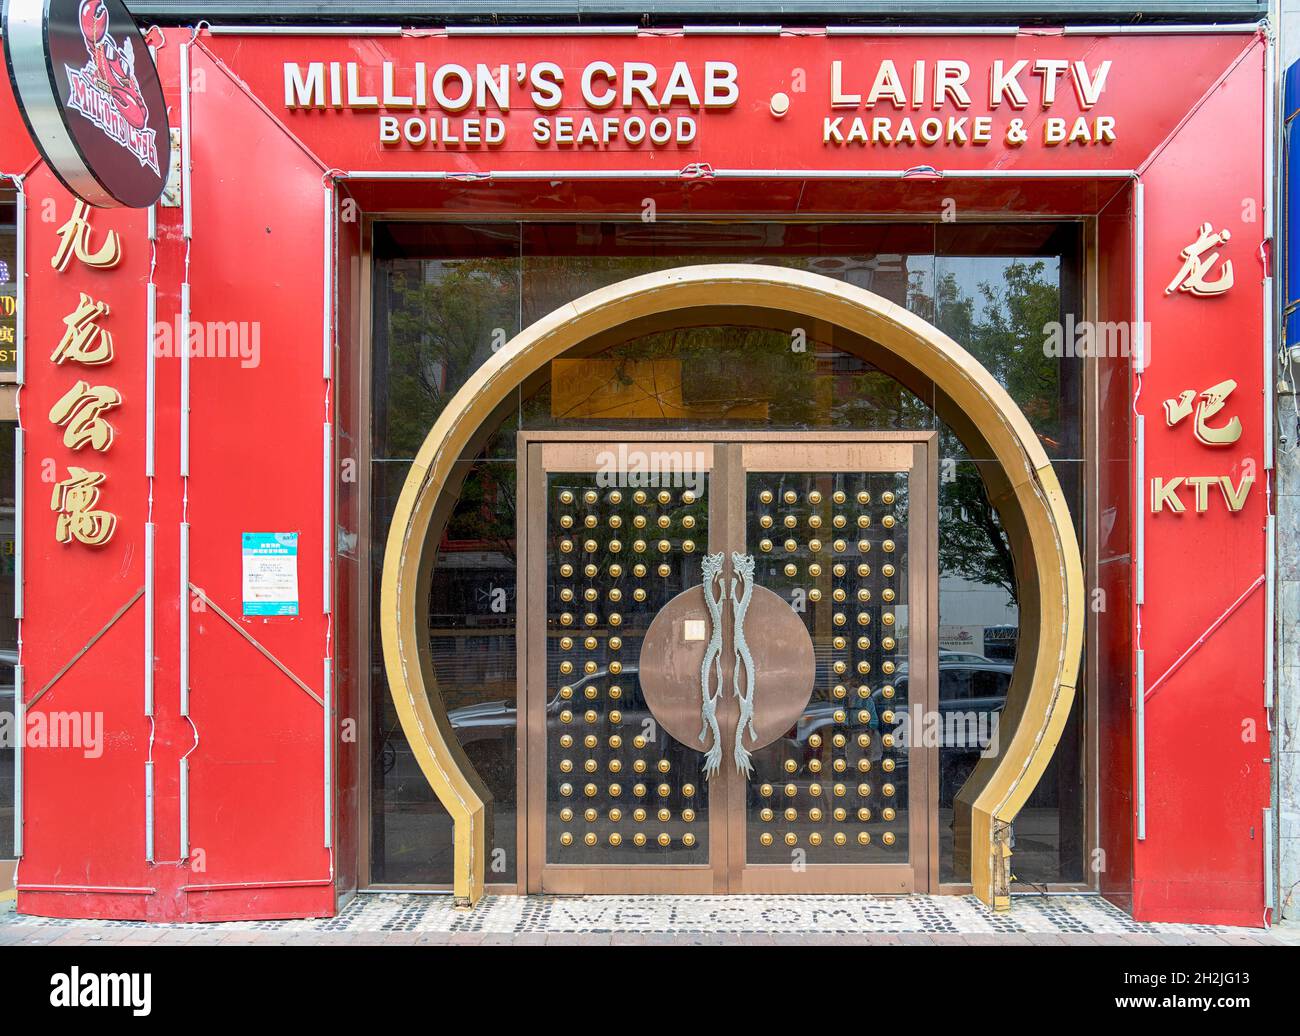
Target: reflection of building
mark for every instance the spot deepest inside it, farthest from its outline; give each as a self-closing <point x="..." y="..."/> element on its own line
<point x="845" y="351"/>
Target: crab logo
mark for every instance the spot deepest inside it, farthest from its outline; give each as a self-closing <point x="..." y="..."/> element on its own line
<point x="105" y="89"/>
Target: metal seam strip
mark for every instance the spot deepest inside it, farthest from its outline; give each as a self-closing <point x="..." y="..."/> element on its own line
<point x="209" y="602"/>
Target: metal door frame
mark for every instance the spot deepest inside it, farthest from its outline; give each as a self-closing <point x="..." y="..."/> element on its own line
<point x="727" y="870"/>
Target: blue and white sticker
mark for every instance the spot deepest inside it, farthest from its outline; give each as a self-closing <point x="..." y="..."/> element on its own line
<point x="270" y="573"/>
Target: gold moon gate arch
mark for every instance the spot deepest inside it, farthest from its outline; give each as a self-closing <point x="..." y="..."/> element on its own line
<point x="1032" y="499"/>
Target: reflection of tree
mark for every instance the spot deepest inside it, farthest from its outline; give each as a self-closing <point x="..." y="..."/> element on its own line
<point x="1003" y="329"/>
<point x="444" y="319"/>
<point x="485" y="512"/>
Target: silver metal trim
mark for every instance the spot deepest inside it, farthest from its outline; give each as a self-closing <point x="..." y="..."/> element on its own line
<point x="184" y="348"/>
<point x="20" y="525"/>
<point x="1270" y="901"/>
<point x="304" y="30"/>
<point x="542" y="30"/>
<point x="1139" y="519"/>
<point x="1270" y="618"/>
<point x="185" y="619"/>
<point x="327" y="518"/>
<point x="187" y="212"/>
<point x="1272" y="182"/>
<point x="20" y="729"/>
<point x="1160" y="30"/>
<point x="149" y="529"/>
<point x="20" y="291"/>
<point x="151" y="378"/>
<point x="732" y="30"/>
<point x="185" y="807"/>
<point x="148" y="812"/>
<point x="922" y="30"/>
<point x="1141" y="775"/>
<point x="328" y="712"/>
<point x="327" y="291"/>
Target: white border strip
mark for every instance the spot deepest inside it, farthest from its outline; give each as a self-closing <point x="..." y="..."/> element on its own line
<point x="1271" y="180"/>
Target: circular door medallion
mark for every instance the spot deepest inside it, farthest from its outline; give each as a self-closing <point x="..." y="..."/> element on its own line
<point x="673" y="651"/>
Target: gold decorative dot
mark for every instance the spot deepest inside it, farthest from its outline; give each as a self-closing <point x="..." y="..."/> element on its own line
<point x="638" y="838"/>
<point x="790" y="521"/>
<point x="864" y="838"/>
<point x="791" y="838"/>
<point x="664" y="816"/>
<point x="639" y="497"/>
<point x="888" y="813"/>
<point x="839" y="838"/>
<point x="887" y="571"/>
<point x="616" y="497"/>
<point x="665" y="497"/>
<point x="887" y="497"/>
<point x="688" y="839"/>
<point x="566" y="570"/>
<point x="688" y="815"/>
<point x="615" y="790"/>
<point x="765" y="496"/>
<point x="791" y="546"/>
<point x="566" y="838"/>
<point x="589" y="838"/>
<point x="639" y="790"/>
<point x="888" y="838"/>
<point x="688" y="497"/>
<point x="566" y="790"/>
<point x="665" y="839"/>
<point x="791" y="791"/>
<point x="665" y="570"/>
<point x="765" y="790"/>
<point x="864" y="814"/>
<point x="664" y="790"/>
<point x="790" y="496"/>
<point x="566" y="521"/>
<point x="864" y="790"/>
<point x="566" y="497"/>
<point x="765" y="838"/>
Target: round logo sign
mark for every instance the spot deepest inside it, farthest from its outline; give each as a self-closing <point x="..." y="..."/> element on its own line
<point x="89" y="92"/>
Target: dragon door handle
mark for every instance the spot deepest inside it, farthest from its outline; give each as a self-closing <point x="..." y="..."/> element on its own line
<point x="712" y="569"/>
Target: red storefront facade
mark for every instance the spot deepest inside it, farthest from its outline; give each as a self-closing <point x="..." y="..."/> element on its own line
<point x="234" y="782"/>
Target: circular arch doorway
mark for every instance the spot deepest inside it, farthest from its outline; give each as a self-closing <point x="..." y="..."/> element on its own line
<point x="1048" y="562"/>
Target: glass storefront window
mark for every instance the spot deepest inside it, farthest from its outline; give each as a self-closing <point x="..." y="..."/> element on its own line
<point x="447" y="296"/>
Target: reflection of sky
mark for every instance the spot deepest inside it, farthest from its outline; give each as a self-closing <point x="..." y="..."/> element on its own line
<point x="969" y="272"/>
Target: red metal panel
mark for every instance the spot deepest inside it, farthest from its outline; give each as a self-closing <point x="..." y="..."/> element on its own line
<point x="1206" y="734"/>
<point x="85" y="816"/>
<point x="257" y="792"/>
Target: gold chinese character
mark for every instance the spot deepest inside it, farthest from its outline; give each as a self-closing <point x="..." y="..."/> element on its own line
<point x="1196" y="264"/>
<point x="84" y="341"/>
<point x="80" y="411"/>
<point x="1211" y="402"/>
<point x="74" y="500"/>
<point x="74" y="239"/>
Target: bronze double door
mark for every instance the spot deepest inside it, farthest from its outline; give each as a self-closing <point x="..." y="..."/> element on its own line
<point x="728" y="658"/>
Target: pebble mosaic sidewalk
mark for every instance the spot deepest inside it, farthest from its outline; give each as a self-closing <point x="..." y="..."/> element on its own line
<point x="376" y="919"/>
